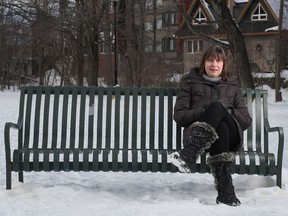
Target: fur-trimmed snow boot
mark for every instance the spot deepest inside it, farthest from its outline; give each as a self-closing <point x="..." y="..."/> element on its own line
<point x="220" y="168"/>
<point x="196" y="139"/>
<point x="177" y="161"/>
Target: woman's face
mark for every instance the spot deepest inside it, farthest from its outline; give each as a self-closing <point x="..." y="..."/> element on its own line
<point x="213" y="67"/>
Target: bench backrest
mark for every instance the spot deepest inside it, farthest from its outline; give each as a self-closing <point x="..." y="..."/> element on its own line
<point x="115" y="118"/>
<point x="102" y="118"/>
<point x="256" y="136"/>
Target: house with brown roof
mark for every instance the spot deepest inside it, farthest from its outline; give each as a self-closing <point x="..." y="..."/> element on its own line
<point x="257" y="19"/>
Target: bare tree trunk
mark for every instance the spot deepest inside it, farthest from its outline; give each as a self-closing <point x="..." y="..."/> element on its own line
<point x="91" y="29"/>
<point x="92" y="13"/>
<point x="278" y="95"/>
<point x="237" y="47"/>
<point x="80" y="55"/>
<point x="141" y="43"/>
<point x="134" y="36"/>
<point x="131" y="42"/>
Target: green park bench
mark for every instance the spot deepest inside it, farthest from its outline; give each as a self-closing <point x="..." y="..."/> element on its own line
<point x="121" y="129"/>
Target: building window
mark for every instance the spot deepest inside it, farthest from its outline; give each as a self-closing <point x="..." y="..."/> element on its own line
<point x="173" y="18"/>
<point x="158" y="47"/>
<point x="101" y="48"/>
<point x="194" y="46"/>
<point x="111" y="7"/>
<point x="136" y="9"/>
<point x="158" y="23"/>
<point x="113" y="48"/>
<point x="149" y="4"/>
<point x="259" y="13"/>
<point x="148" y="48"/>
<point x="148" y="26"/>
<point x="200" y="17"/>
<point x="172" y="45"/>
<point x="169" y="19"/>
<point x="169" y="44"/>
<point x="101" y="43"/>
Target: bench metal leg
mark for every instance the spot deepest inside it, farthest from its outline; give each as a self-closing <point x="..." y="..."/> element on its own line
<point x="20" y="176"/>
<point x="279" y="180"/>
<point x="8" y="178"/>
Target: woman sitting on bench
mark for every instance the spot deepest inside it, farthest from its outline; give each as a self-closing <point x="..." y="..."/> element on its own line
<point x="211" y="107"/>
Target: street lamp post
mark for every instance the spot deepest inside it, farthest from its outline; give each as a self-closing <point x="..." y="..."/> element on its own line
<point x="115" y="44"/>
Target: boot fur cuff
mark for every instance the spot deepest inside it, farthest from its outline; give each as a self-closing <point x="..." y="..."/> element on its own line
<point x="226" y="156"/>
<point x="207" y="127"/>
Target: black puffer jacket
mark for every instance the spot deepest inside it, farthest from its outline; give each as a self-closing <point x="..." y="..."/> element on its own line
<point x="195" y="94"/>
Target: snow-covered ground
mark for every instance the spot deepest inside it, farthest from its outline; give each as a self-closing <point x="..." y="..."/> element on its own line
<point x="136" y="194"/>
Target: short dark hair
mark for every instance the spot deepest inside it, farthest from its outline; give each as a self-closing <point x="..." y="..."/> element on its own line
<point x="214" y="52"/>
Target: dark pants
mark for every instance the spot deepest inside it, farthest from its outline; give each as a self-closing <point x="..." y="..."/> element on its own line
<point x="219" y="118"/>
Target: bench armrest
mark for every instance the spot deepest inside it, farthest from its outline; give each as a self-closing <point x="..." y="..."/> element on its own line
<point x="280" y="142"/>
<point x="8" y="126"/>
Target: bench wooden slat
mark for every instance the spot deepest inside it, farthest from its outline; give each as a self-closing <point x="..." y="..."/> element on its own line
<point x="46" y="165"/>
<point x="82" y="115"/>
<point x="91" y="117"/>
<point x="26" y="161"/>
<point x="115" y="167"/>
<point x="109" y="98"/>
<point x="76" y="160"/>
<point x="105" y="160"/>
<point x="100" y="117"/>
<point x="95" y="161"/>
<point x="258" y="114"/>
<point x="125" y="160"/>
<point x="117" y="126"/>
<point x="86" y="160"/>
<point x="27" y="118"/>
<point x="56" y="161"/>
<point x="144" y="161"/>
<point x="143" y="117"/>
<point x="134" y="119"/>
<point x="66" y="161"/>
<point x="164" y="161"/>
<point x="252" y="163"/>
<point x="262" y="159"/>
<point x="242" y="168"/>
<point x="152" y="122"/>
<point x="272" y="168"/>
<point x="37" y="118"/>
<point x="73" y="116"/>
<point x="36" y="162"/>
<point x="154" y="161"/>
<point x="266" y="124"/>
<point x="46" y="117"/>
<point x="134" y="160"/>
<point x="126" y="119"/>
<point x="64" y="117"/>
<point x="249" y="101"/>
<point x="55" y="118"/>
<point x="170" y="131"/>
<point x="160" y="120"/>
<point x="178" y="138"/>
<point x="20" y="123"/>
